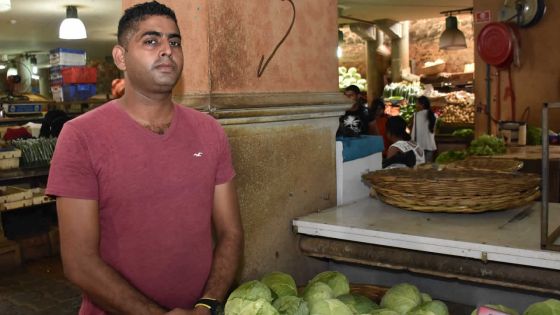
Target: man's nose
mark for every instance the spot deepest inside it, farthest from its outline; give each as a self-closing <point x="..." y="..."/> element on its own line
<point x="165" y="49"/>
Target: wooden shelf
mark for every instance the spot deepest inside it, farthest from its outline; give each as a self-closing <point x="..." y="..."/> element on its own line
<point x="22" y="175"/>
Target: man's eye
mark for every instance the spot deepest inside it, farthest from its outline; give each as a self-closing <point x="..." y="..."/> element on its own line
<point x="175" y="43"/>
<point x="150" y="42"/>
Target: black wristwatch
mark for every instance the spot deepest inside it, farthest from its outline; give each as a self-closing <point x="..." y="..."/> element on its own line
<point x="213" y="305"/>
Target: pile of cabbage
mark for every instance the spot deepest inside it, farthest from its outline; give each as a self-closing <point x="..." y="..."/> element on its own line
<point x="548" y="307"/>
<point x="351" y="76"/>
<point x="328" y="293"/>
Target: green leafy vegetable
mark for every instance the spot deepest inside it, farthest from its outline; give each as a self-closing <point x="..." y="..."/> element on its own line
<point x="291" y="305"/>
<point x="281" y="284"/>
<point x="487" y="145"/>
<point x="329" y="307"/>
<point x="548" y="307"/>
<point x="335" y="280"/>
<point x="402" y="298"/>
<point x="359" y="304"/>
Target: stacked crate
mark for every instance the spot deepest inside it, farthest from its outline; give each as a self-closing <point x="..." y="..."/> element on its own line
<point x="71" y="80"/>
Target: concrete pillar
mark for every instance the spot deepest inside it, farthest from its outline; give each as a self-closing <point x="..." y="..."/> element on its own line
<point x="375" y="67"/>
<point x="400" y="53"/>
<point x="280" y="114"/>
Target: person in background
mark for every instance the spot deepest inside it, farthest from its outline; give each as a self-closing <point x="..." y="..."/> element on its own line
<point x="403" y="152"/>
<point x="138" y="205"/>
<point x="378" y="121"/>
<point x="355" y="120"/>
<point x="423" y="127"/>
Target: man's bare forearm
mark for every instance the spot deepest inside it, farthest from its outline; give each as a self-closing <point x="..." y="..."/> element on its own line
<point x="108" y="289"/>
<point x="227" y="257"/>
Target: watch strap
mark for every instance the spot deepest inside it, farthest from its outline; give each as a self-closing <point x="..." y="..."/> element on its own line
<point x="213" y="305"/>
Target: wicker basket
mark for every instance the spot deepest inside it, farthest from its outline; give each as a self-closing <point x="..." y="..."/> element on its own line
<point x="485" y="163"/>
<point x="453" y="190"/>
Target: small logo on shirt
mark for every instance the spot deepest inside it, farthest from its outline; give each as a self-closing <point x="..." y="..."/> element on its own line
<point x="198" y="154"/>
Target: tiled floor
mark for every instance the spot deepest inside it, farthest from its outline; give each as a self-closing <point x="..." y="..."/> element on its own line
<point x="38" y="288"/>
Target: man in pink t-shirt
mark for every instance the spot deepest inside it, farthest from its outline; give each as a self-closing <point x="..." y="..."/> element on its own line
<point x="143" y="184"/>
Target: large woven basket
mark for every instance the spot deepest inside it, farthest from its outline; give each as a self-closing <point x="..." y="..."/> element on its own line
<point x="486" y="163"/>
<point x="453" y="190"/>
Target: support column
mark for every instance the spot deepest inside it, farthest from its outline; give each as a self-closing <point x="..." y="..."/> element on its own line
<point x="375" y="67"/>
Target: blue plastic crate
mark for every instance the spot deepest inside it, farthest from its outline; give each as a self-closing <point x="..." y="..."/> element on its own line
<point x="73" y="92"/>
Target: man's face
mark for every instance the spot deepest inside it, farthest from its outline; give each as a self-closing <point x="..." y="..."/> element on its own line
<point x="153" y="56"/>
<point x="351" y="95"/>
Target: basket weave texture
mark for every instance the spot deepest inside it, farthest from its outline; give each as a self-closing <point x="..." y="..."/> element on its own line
<point x="453" y="190"/>
<point x="485" y="163"/>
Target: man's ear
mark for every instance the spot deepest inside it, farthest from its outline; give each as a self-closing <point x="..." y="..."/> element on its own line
<point x="118" y="57"/>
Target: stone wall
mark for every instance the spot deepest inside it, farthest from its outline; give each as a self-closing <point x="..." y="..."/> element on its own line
<point x="424" y="45"/>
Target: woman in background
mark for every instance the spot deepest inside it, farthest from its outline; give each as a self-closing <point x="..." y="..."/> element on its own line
<point x="378" y="121"/>
<point x="403" y="152"/>
<point x="423" y="127"/>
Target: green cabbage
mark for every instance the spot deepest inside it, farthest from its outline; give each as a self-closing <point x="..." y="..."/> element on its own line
<point x="401" y="298"/>
<point x="329" y="307"/>
<point x="335" y="280"/>
<point x="291" y="305"/>
<point x="383" y="311"/>
<point x="252" y="291"/>
<point x="430" y="308"/>
<point x="317" y="291"/>
<point x="500" y="308"/>
<point x="548" y="307"/>
<point x="281" y="284"/>
<point x="359" y="304"/>
<point x="239" y="306"/>
<point x="425" y="297"/>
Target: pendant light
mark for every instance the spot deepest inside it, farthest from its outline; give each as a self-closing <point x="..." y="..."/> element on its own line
<point x="72" y="27"/>
<point x="5" y="5"/>
<point x="452" y="38"/>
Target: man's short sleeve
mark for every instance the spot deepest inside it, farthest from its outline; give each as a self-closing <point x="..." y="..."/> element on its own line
<point x="71" y="173"/>
<point x="225" y="171"/>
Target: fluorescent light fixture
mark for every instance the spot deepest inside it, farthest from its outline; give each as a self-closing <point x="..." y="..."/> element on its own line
<point x="339" y="52"/>
<point x="2" y="66"/>
<point x="35" y="77"/>
<point x="72" y="27"/>
<point x="5" y="5"/>
<point x="452" y="38"/>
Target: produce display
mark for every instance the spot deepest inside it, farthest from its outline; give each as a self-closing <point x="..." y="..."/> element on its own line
<point x="459" y="108"/>
<point x="484" y="145"/>
<point x="350" y="76"/>
<point x="409" y="91"/>
<point x="328" y="293"/>
<point x="487" y="145"/>
<point x="35" y="151"/>
<point x="463" y="133"/>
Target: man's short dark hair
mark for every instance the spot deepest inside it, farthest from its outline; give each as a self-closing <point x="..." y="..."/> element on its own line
<point x="133" y="15"/>
<point x="352" y="88"/>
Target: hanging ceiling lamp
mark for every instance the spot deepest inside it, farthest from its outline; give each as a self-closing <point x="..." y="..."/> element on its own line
<point x="72" y="27"/>
<point x="5" y="5"/>
<point x="452" y="38"/>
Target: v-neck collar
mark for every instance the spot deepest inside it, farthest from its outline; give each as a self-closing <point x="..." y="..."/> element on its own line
<point x="144" y="130"/>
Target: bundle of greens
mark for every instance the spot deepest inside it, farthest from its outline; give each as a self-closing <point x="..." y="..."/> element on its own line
<point x="487" y="145"/>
